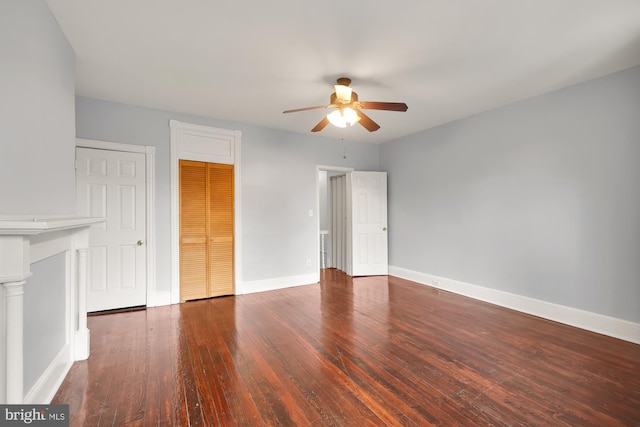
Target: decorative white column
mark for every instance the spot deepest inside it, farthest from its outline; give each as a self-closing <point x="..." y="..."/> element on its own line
<point x="82" y="332"/>
<point x="14" y="270"/>
<point x="14" y="294"/>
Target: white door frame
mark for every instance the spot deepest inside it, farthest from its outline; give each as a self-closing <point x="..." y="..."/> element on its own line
<point x="328" y="169"/>
<point x="213" y="145"/>
<point x="150" y="159"/>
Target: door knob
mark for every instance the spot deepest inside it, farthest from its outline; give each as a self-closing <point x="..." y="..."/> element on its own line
<point x="140" y="243"/>
<point x="384" y="229"/>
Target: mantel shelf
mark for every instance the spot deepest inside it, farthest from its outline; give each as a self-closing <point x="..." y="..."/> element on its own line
<point x="32" y="225"/>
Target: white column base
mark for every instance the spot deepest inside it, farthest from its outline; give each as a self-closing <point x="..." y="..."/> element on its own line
<point x="14" y="304"/>
<point x="82" y="344"/>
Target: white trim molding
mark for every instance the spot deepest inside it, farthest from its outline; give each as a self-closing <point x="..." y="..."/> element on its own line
<point x="159" y="298"/>
<point x="212" y="145"/>
<point x="277" y="283"/>
<point x="594" y="322"/>
<point x="112" y="146"/>
<point x="51" y="379"/>
<point x="154" y="297"/>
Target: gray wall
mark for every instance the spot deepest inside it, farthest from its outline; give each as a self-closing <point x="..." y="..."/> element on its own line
<point x="37" y="131"/>
<point x="278" y="183"/>
<point x="37" y="153"/>
<point x="539" y="198"/>
<point x="45" y="319"/>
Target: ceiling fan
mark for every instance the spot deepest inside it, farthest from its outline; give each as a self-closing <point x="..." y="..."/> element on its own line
<point x="347" y="108"/>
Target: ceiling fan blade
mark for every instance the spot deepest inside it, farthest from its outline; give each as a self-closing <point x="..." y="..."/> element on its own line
<point x="389" y="106"/>
<point x="307" y="108"/>
<point x="323" y="123"/>
<point x="366" y="121"/>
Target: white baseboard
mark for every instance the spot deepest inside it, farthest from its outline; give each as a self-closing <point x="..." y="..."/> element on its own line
<point x="47" y="385"/>
<point x="606" y="325"/>
<point x="158" y="298"/>
<point x="277" y="283"/>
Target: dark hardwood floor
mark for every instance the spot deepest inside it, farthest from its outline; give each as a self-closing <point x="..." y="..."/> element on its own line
<point x="367" y="351"/>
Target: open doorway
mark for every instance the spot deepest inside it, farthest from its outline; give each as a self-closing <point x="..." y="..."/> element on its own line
<point x="331" y="247"/>
<point x="352" y="221"/>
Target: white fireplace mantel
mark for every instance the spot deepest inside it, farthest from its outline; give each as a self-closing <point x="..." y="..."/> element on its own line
<point x="34" y="225"/>
<point x="24" y="241"/>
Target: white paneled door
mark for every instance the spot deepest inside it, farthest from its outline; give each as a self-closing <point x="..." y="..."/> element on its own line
<point x="111" y="184"/>
<point x="369" y="237"/>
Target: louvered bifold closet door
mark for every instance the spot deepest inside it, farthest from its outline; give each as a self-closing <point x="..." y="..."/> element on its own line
<point x="220" y="229"/>
<point x="206" y="230"/>
<point x="193" y="230"/>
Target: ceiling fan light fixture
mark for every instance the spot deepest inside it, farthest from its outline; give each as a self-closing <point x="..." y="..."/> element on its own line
<point x="343" y="117"/>
<point x="350" y="116"/>
<point x="336" y="119"/>
<point x="343" y="93"/>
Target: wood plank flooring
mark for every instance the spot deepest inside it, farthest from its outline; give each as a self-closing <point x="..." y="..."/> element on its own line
<point x="349" y="352"/>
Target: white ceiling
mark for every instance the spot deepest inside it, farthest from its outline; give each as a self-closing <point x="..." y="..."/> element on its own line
<point x="248" y="60"/>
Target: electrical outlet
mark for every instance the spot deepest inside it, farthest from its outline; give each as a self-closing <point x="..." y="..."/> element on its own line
<point x="308" y="262"/>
